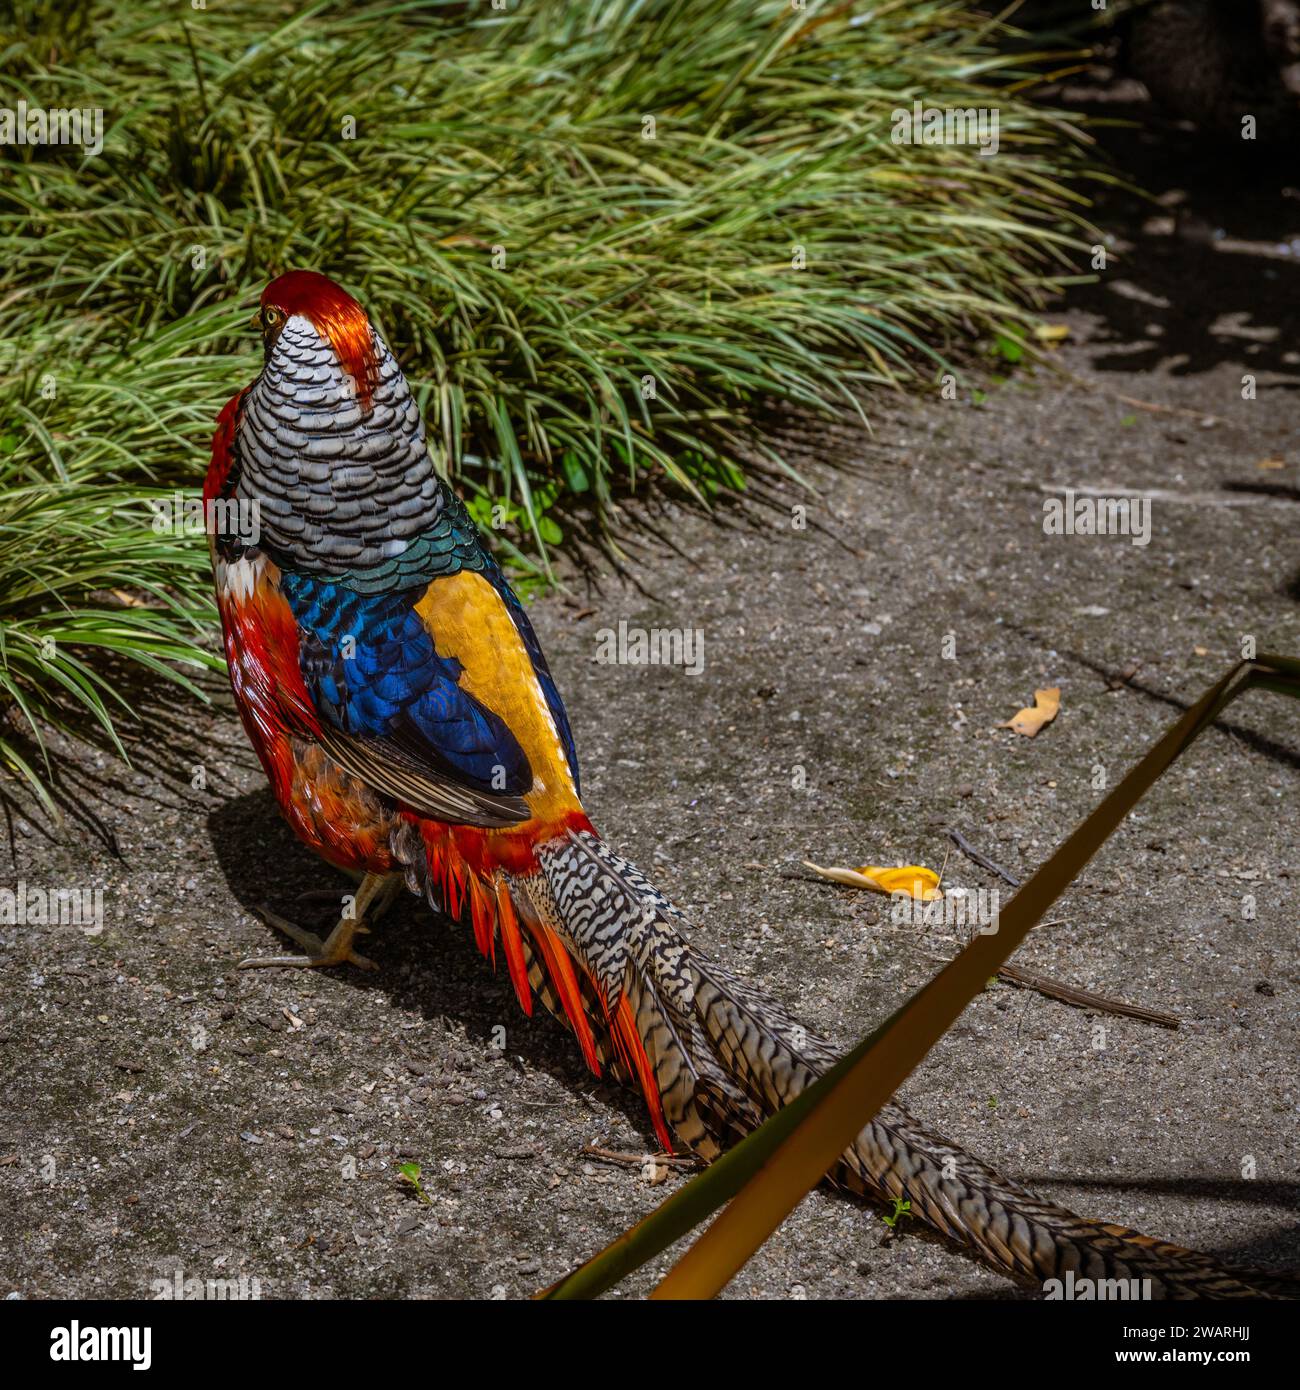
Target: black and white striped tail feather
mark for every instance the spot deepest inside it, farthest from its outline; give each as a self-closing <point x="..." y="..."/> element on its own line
<point x="725" y="1057"/>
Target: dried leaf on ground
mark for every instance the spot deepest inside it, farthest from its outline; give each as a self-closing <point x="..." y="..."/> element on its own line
<point x="1046" y="706"/>
<point x="914" y="880"/>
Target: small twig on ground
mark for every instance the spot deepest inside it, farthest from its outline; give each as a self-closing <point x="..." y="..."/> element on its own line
<point x="640" y="1160"/>
<point x="976" y="857"/>
<point x="1152" y="407"/>
<point x="799" y="877"/>
<point x="1122" y="678"/>
<point x="1067" y="994"/>
<point x="1157" y="408"/>
<point x="1084" y="998"/>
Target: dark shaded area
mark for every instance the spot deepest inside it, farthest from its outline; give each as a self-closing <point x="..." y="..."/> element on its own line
<point x="430" y="965"/>
<point x="1206" y="268"/>
<point x="1219" y="64"/>
<point x="1219" y="1189"/>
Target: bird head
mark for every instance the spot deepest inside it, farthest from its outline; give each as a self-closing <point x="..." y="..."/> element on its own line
<point x="328" y="439"/>
<point x="316" y="302"/>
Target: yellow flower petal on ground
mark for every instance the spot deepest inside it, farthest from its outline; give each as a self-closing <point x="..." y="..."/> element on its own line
<point x="1047" y="704"/>
<point x="913" y="879"/>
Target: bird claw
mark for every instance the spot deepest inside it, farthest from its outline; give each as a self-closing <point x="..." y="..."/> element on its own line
<point x="316" y="961"/>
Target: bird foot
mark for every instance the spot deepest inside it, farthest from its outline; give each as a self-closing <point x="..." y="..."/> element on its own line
<point x="336" y="949"/>
<point x="373" y="898"/>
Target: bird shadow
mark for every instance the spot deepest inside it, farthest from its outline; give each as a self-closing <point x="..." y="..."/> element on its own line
<point x="427" y="963"/>
<point x="428" y="966"/>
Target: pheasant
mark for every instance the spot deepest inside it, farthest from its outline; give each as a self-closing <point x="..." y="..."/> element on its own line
<point x="400" y="704"/>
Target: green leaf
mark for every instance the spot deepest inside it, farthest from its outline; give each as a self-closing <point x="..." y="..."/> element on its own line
<point x="1008" y="348"/>
<point x="575" y="474"/>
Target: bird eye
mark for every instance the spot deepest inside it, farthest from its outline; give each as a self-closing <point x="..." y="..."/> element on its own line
<point x="272" y="317"/>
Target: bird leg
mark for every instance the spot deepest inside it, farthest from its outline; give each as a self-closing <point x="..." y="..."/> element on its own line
<point x="373" y="898"/>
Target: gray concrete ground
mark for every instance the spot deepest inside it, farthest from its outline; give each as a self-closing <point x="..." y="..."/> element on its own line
<point x="162" y="1112"/>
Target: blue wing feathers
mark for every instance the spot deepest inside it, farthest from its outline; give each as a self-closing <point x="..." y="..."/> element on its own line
<point x="374" y="672"/>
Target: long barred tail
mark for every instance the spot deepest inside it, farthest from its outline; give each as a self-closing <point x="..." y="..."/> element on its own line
<point x="608" y="954"/>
